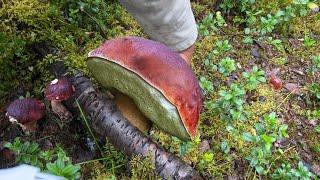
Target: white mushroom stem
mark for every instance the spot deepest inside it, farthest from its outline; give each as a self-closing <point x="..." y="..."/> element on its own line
<point x="27" y="128"/>
<point x="59" y="109"/>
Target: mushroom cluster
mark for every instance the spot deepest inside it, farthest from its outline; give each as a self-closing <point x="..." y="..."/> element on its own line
<point x="26" y="112"/>
<point x="158" y="80"/>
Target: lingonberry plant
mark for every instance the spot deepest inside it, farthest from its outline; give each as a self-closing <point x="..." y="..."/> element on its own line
<point x="222" y="46"/>
<point x="210" y="23"/>
<point x="254" y="78"/>
<point x="206" y="85"/>
<point x="53" y="161"/>
<point x="316" y="61"/>
<point x="227" y="66"/>
<point x="315" y="90"/>
<point x="277" y="43"/>
<point x="268" y="131"/>
<point x="230" y="103"/>
<point x="286" y="172"/>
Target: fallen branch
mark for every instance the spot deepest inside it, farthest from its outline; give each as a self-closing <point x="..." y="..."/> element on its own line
<point x="108" y="121"/>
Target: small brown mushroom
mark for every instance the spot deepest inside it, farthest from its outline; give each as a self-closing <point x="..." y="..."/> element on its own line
<point x="275" y="82"/>
<point x="57" y="91"/>
<point x="26" y="112"/>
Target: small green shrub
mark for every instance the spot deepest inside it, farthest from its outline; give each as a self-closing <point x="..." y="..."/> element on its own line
<point x="206" y="160"/>
<point x="314" y="88"/>
<point x="316" y="61"/>
<point x="315" y="65"/>
<point x="206" y="85"/>
<point x="227" y="66"/>
<point x="267" y="132"/>
<point x="313" y="114"/>
<point x="247" y="40"/>
<point x="266" y="16"/>
<point x="207" y="25"/>
<point x="210" y="23"/>
<point x="276" y="43"/>
<point x="317" y="129"/>
<point x="308" y="41"/>
<point x="285" y="172"/>
<point x="254" y="78"/>
<point x="230" y="103"/>
<point x="232" y="97"/>
<point x="52" y="161"/>
<point x="268" y="24"/>
<point x="222" y="46"/>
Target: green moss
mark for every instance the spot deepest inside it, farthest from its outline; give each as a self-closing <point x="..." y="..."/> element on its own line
<point x="306" y="25"/>
<point x="142" y="169"/>
<point x="74" y="32"/>
<point x="279" y="61"/>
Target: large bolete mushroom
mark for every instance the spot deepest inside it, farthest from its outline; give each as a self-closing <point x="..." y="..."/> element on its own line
<point x="158" y="80"/>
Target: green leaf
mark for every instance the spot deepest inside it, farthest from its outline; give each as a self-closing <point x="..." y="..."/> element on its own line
<point x="259" y="128"/>
<point x="283" y="130"/>
<point x="268" y="140"/>
<point x="262" y="79"/>
<point x="317" y="129"/>
<point x="248" y="137"/>
<point x="259" y="169"/>
<point x="8" y="145"/>
<point x="225" y="147"/>
<point x="67" y="170"/>
<point x="208" y="156"/>
<point x="228" y="97"/>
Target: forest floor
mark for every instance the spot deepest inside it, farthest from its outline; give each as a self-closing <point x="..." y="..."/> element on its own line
<point x="260" y="75"/>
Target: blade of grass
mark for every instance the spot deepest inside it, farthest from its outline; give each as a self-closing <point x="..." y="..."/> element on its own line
<point x="88" y="127"/>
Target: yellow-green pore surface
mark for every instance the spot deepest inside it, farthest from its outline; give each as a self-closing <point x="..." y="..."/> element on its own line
<point x="150" y="101"/>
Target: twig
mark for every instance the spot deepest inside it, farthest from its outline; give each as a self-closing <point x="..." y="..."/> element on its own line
<point x="100" y="159"/>
<point x="283" y="100"/>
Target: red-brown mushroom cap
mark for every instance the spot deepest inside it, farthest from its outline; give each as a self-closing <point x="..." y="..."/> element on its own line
<point x="163" y="69"/>
<point x="59" y="89"/>
<point x="275" y="82"/>
<point x="26" y="110"/>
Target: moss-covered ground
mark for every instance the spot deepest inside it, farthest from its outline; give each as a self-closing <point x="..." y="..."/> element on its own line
<point x="249" y="129"/>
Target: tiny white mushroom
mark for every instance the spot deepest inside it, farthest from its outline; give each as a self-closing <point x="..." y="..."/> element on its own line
<point x="54" y="81"/>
